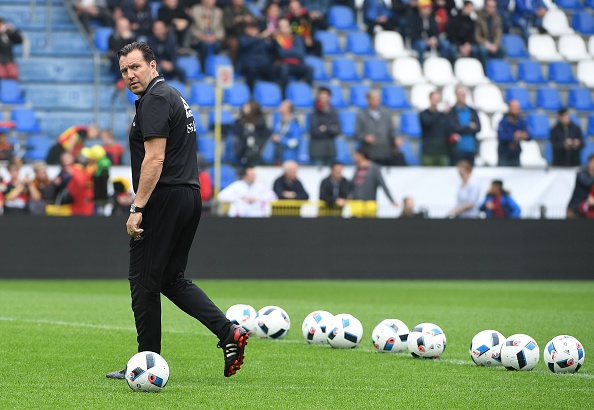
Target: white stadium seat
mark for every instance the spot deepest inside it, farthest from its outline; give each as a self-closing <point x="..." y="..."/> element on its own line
<point x="390" y="45"/>
<point x="585" y="72"/>
<point x="419" y="95"/>
<point x="448" y="96"/>
<point x="573" y="48"/>
<point x="439" y="71"/>
<point x="488" y="98"/>
<point x="591" y="46"/>
<point x="488" y="152"/>
<point x="479" y="4"/>
<point x="495" y="120"/>
<point x="407" y="71"/>
<point x="555" y="22"/>
<point x="487" y="132"/>
<point x="470" y="72"/>
<point x="542" y="48"/>
<point x="531" y="155"/>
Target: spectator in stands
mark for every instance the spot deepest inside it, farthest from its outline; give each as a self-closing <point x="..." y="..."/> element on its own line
<point x="207" y="31"/>
<point x="164" y="46"/>
<point x="587" y="207"/>
<point x="174" y="15"/>
<point x="367" y="179"/>
<point x="71" y="140"/>
<point x="122" y="197"/>
<point x="460" y="32"/>
<point x="6" y="148"/>
<point x="92" y="10"/>
<point x="334" y="189"/>
<point x="9" y="36"/>
<point x="288" y="186"/>
<point x="121" y="36"/>
<point x="584" y="182"/>
<point x="235" y="18"/>
<point x="138" y="12"/>
<point x="409" y="209"/>
<point x="567" y="141"/>
<point x="97" y="167"/>
<point x="529" y="13"/>
<point x="402" y="11"/>
<point x="469" y="194"/>
<point x="271" y="17"/>
<point x="114" y="150"/>
<point x="247" y="197"/>
<point x="374" y="129"/>
<point x="434" y="137"/>
<point x="204" y="179"/>
<point x="286" y="134"/>
<point x="58" y="192"/>
<point x="376" y="13"/>
<point x="255" y="60"/>
<point x="488" y="32"/>
<point x="463" y="124"/>
<point x="512" y="129"/>
<point x="499" y="204"/>
<point x="318" y="10"/>
<point x="250" y="133"/>
<point x="290" y="54"/>
<point x="324" y="127"/>
<point x="40" y="190"/>
<point x="302" y="25"/>
<point x="443" y="9"/>
<point x="423" y="32"/>
<point x="16" y="194"/>
<point x="504" y="13"/>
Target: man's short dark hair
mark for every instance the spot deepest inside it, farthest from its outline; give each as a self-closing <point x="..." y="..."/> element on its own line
<point x="324" y="89"/>
<point x="562" y="111"/>
<point x="363" y="151"/>
<point x="245" y="170"/>
<point x="147" y="52"/>
<point x="335" y="163"/>
<point x="590" y="158"/>
<point x="467" y="2"/>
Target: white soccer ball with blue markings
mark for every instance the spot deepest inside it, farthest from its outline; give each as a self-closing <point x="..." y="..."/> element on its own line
<point x="147" y="371"/>
<point x="244" y="316"/>
<point x="315" y="325"/>
<point x="344" y="332"/>
<point x="485" y="348"/>
<point x="427" y="341"/>
<point x="519" y="352"/>
<point x="390" y="336"/>
<point x="564" y="354"/>
<point x="272" y="322"/>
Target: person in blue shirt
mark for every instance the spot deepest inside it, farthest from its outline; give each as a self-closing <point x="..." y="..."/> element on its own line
<point x="463" y="124"/>
<point x="499" y="204"/>
<point x="286" y="134"/>
<point x="377" y="13"/>
<point x="512" y="129"/>
<point x="529" y="13"/>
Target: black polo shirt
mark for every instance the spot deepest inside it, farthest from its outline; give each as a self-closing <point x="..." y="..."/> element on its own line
<point x="163" y="112"/>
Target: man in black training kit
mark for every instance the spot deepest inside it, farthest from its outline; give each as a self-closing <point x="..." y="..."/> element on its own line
<point x="166" y="211"/>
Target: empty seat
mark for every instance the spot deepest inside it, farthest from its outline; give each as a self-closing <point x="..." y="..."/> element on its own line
<point x="389" y="44"/>
<point x="330" y="43"/>
<point x="548" y="152"/>
<point x="438" y="71"/>
<point x="319" y="68"/>
<point x="203" y="94"/>
<point x="343" y="152"/>
<point x="448" y="96"/>
<point x="419" y="95"/>
<point x="226" y="118"/>
<point x="409" y="154"/>
<point x="10" y="92"/>
<point x="487" y="97"/>
<point x="585" y="68"/>
<point x="359" y="43"/>
<point x="191" y="66"/>
<point x="342" y="18"/>
<point x="560" y="72"/>
<point x="500" y="72"/>
<point x="574" y="5"/>
<point x="573" y="48"/>
<point x="213" y="61"/>
<point x="25" y="121"/>
<point x="237" y="95"/>
<point x="487" y="131"/>
<point x="522" y="95"/>
<point x="394" y="97"/>
<point x="542" y="48"/>
<point x="548" y="98"/>
<point x="408" y="71"/>
<point x="514" y="46"/>
<point x="531" y="155"/>
<point x="555" y="23"/>
<point x="591" y="46"/>
<point x="101" y="38"/>
<point x="358" y="95"/>
<point x="469" y="71"/>
<point x="590" y="130"/>
<point x="206" y="146"/>
<point x="530" y="73"/>
<point x="376" y="70"/>
<point x="37" y="147"/>
<point x="539" y="126"/>
<point x="410" y="124"/>
<point x="336" y="96"/>
<point x="300" y="94"/>
<point x="179" y="86"/>
<point x="347" y="120"/>
<point x="303" y="152"/>
<point x="228" y="175"/>
<point x="583" y="22"/>
<point x="268" y="94"/>
<point x="580" y="99"/>
<point x="345" y="69"/>
<point x="488" y="152"/>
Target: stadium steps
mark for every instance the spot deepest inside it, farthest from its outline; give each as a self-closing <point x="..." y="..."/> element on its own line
<point x="65" y="97"/>
<point x="43" y="69"/>
<point x="54" y="122"/>
<point x="25" y="17"/>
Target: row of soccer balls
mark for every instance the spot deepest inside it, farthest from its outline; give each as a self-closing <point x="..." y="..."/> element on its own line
<point x="563" y="354"/>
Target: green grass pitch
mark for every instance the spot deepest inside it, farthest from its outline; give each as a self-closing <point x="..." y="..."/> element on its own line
<point x="59" y="338"/>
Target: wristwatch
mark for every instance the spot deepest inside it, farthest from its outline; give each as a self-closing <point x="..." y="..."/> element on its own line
<point x="134" y="209"/>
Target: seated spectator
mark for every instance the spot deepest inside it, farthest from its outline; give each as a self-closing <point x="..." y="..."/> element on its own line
<point x="460" y="33"/>
<point x="286" y="134"/>
<point x="138" y="12"/>
<point x="92" y="10"/>
<point x="318" y="10"/>
<point x="398" y="158"/>
<point x="409" y="209"/>
<point x="288" y="186"/>
<point x="334" y="189"/>
<point x="584" y="182"/>
<point x="235" y="17"/>
<point x="403" y="9"/>
<point x="121" y="36"/>
<point x="376" y="13"/>
<point x="527" y="14"/>
<point x="6" y="148"/>
<point x="434" y="137"/>
<point x="512" y="129"/>
<point x="290" y="54"/>
<point x="122" y="197"/>
<point x="9" y="36"/>
<point x="324" y="127"/>
<point x="207" y="31"/>
<point x="162" y="41"/>
<point x="114" y="151"/>
<point x="499" y="204"/>
<point x="40" y="190"/>
<point x="174" y="15"/>
<point x="442" y="9"/>
<point x="469" y="194"/>
<point x="302" y="26"/>
<point x="271" y="17"/>
<point x="587" y="207"/>
<point x="367" y="179"/>
<point x="488" y="32"/>
<point x="72" y="140"/>
<point x="97" y="167"/>
<point x="374" y="129"/>
<point x="463" y="124"/>
<point x="81" y="191"/>
<point x="250" y="134"/>
<point x="423" y="32"/>
<point x="255" y="61"/>
<point x="16" y="193"/>
<point x="567" y="141"/>
<point x="504" y="13"/>
<point x="247" y="197"/>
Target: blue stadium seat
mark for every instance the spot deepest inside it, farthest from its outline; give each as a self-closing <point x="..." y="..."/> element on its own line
<point x="522" y="95"/>
<point x="539" y="126"/>
<point x="567" y="5"/>
<point x="409" y="155"/>
<point x="394" y="97"/>
<point x="268" y="94"/>
<point x="203" y="94"/>
<point x="206" y="146"/>
<point x="358" y="95"/>
<point x="179" y="86"/>
<point x="214" y="60"/>
<point x="586" y="152"/>
<point x="267" y="153"/>
<point x="583" y="22"/>
<point x="376" y="70"/>
<point x="303" y="155"/>
<point x="514" y="46"/>
<point x="560" y="72"/>
<point x="359" y="43"/>
<point x="548" y="152"/>
<point x="319" y="68"/>
<point x="237" y="95"/>
<point x="10" y="92"/>
<point x="191" y="66"/>
<point x="226" y="119"/>
<point x="345" y="69"/>
<point x="300" y="94"/>
<point x="500" y="72"/>
<point x="228" y="175"/>
<point x="530" y="72"/>
<point x="342" y="18"/>
<point x="591" y="125"/>
<point x="155" y="6"/>
<point x="410" y="124"/>
<point x="25" y="121"/>
<point x="130" y="97"/>
<point x="589" y="3"/>
<point x="330" y="43"/>
<point x="343" y="152"/>
<point x="580" y="99"/>
<point x="548" y="98"/>
<point x="101" y="39"/>
<point x="37" y="147"/>
<point x="336" y="96"/>
<point x="347" y="120"/>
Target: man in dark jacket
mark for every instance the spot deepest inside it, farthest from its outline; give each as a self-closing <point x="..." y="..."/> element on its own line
<point x="433" y="134"/>
<point x="334" y="189"/>
<point x="138" y="12"/>
<point x="367" y="179"/>
<point x="290" y="54"/>
<point x="488" y="32"/>
<point x="423" y="32"/>
<point x="288" y="186"/>
<point x="324" y="127"/>
<point x="462" y="124"/>
<point x="235" y="17"/>
<point x="164" y="45"/>
<point x="567" y="141"/>
<point x="460" y="32"/>
<point x="255" y="61"/>
<point x="511" y="130"/>
<point x="584" y="182"/>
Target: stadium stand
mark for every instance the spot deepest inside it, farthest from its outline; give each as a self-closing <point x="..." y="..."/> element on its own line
<point x="548" y="98"/>
<point x="419" y="95"/>
<point x="469" y="71"/>
<point x="539" y="126"/>
<point x="206" y="146"/>
<point x="439" y="71"/>
<point x="268" y="95"/>
<point x="300" y="94"/>
<point x="583" y="22"/>
<point x="394" y="97"/>
<point x="487" y="131"/>
<point x="203" y="94"/>
<point x="531" y="156"/>
<point x="336" y="96"/>
<point x="590" y="130"/>
<point x="560" y="72"/>
<point x="488" y="98"/>
<point x="522" y="95"/>
<point x="585" y="68"/>
<point x="342" y="18"/>
<point x="542" y="47"/>
<point x="358" y="95"/>
<point x="514" y="46"/>
<point x="407" y="71"/>
<point x="344" y="69"/>
<point x="580" y="99"/>
<point x="330" y="43"/>
<point x="410" y="124"/>
<point x="376" y="70"/>
<point x="347" y="120"/>
<point x="237" y="95"/>
<point x="530" y="72"/>
<point x="25" y="121"/>
<point x="359" y="44"/>
<point x="500" y="72"/>
<point x="10" y="92"/>
<point x="319" y="68"/>
<point x="555" y="22"/>
<point x="390" y="45"/>
<point x="191" y="66"/>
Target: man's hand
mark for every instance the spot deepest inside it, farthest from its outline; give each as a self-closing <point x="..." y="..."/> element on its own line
<point x="370" y="139"/>
<point x="133" y="224"/>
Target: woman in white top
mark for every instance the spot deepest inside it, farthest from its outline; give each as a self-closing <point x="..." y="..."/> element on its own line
<point x="469" y="193"/>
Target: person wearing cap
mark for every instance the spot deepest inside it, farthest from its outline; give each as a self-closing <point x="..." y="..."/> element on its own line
<point x="324" y="127"/>
<point x="567" y="141"/>
<point x="374" y="129"/>
<point x="423" y="31"/>
<point x="499" y="204"/>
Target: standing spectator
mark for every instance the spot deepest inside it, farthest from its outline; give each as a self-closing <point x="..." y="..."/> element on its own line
<point x="460" y="32"/>
<point x="290" y="54"/>
<point x="512" y="129"/>
<point x="376" y="13"/>
<point x="9" y="36"/>
<point x="16" y="194"/>
<point x="286" y="134"/>
<point x="499" y="204"/>
<point x="423" y="32"/>
<point x="584" y="181"/>
<point x="39" y="190"/>
<point x="97" y="167"/>
<point x="164" y="46"/>
<point x="433" y="134"/>
<point x="375" y="130"/>
<point x="529" y="13"/>
<point x="504" y="13"/>
<point x="587" y="206"/>
<point x="469" y="193"/>
<point x="92" y="10"/>
<point x="409" y="209"/>
<point x="174" y="15"/>
<point x="138" y="12"/>
<point x="72" y="140"/>
<point x="250" y="133"/>
<point x="255" y="60"/>
<point x="567" y="141"/>
<point x="113" y="150"/>
<point x="463" y="124"/>
<point x="207" y="31"/>
<point x="367" y="179"/>
<point x="488" y="32"/>
<point x="288" y="186"/>
<point x="324" y="127"/>
<point x="6" y="148"/>
<point x="334" y="189"/>
<point x="247" y="197"/>
<point x="235" y="18"/>
<point x="302" y="26"/>
<point x="121" y="36"/>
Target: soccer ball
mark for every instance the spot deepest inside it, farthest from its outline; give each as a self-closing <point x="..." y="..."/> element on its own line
<point x="344" y="331"/>
<point x="485" y="348"/>
<point x="147" y="371"/>
<point x="244" y="316"/>
<point x="426" y="341"/>
<point x="564" y="354"/>
<point x="519" y="352"/>
<point x="314" y="327"/>
<point x="272" y="322"/>
<point x="390" y="336"/>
